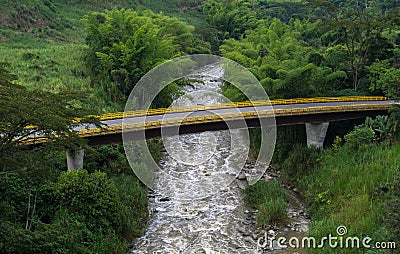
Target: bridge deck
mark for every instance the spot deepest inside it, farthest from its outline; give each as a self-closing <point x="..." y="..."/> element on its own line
<point x="216" y="117"/>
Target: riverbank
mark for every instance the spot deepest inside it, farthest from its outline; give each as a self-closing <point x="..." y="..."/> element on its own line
<point x="356" y="189"/>
<point x="275" y="210"/>
<point x="339" y="187"/>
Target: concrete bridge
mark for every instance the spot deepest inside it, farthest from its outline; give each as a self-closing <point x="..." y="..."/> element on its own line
<point x="315" y="113"/>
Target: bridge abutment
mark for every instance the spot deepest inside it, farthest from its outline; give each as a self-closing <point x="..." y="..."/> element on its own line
<point x="316" y="133"/>
<point x="75" y="159"/>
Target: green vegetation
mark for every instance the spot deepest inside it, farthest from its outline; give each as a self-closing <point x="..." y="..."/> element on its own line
<point x="80" y="212"/>
<point x="74" y="58"/>
<point x="45" y="210"/>
<point x="354" y="191"/>
<point x="126" y="44"/>
<point x="51" y="68"/>
<point x="354" y="184"/>
<point x="269" y="199"/>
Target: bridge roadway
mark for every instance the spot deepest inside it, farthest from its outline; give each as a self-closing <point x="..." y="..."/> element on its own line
<point x="218" y="117"/>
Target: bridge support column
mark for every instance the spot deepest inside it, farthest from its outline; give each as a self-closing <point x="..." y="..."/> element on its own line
<point x="316" y="133"/>
<point x="75" y="159"/>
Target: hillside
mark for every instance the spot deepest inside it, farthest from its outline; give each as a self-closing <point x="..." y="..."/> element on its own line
<point x="58" y="21"/>
<point x="44" y="40"/>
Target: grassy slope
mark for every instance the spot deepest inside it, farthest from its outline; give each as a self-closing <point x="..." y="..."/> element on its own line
<point x="353" y="189"/>
<point x="44" y="42"/>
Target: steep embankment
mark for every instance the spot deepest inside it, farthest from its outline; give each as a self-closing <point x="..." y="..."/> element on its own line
<point x="357" y="189"/>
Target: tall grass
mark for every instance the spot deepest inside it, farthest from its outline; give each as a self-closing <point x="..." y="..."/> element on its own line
<point x="269" y="199"/>
<point x="52" y="68"/>
<point x="341" y="190"/>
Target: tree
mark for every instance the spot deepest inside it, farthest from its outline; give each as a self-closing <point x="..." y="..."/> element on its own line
<point x="25" y="113"/>
<point x="231" y="18"/>
<point x="277" y="56"/>
<point x="385" y="78"/>
<point x="126" y="44"/>
<point x="359" y="29"/>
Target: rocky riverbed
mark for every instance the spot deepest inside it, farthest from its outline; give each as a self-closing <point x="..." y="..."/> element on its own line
<point x="295" y="226"/>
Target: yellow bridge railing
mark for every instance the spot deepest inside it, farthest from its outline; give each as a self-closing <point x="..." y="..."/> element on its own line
<point x="159" y="111"/>
<point x="226" y="117"/>
<point x="229" y="117"/>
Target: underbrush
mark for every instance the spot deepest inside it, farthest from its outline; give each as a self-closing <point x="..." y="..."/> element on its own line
<point x="75" y="212"/>
<point x="269" y="199"/>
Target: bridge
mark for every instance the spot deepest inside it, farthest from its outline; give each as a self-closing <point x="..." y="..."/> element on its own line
<point x="316" y="113"/>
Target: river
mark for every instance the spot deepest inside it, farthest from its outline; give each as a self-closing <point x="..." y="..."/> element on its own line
<point x="197" y="205"/>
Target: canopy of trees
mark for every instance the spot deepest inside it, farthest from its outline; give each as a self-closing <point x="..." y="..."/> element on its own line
<point x="126" y="44"/>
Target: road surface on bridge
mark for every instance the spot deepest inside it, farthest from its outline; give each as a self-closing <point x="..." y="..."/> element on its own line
<point x="200" y="118"/>
<point x="224" y="111"/>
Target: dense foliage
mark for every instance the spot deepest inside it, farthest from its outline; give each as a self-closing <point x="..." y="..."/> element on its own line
<point x="43" y="210"/>
<point x="295" y="48"/>
<point x="80" y="212"/>
<point x="361" y="196"/>
<point x="127" y="44"/>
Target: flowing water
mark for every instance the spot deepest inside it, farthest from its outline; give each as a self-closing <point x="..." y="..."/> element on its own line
<point x="197" y="205"/>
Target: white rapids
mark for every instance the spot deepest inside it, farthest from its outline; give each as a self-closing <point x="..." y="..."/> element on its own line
<point x="204" y="209"/>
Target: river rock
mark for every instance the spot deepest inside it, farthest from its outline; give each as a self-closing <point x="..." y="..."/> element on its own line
<point x="243" y="232"/>
<point x="272" y="174"/>
<point x="275" y="245"/>
<point x="248" y="239"/>
<point x="242" y="176"/>
<point x="166" y="199"/>
<point x="241" y="184"/>
<point x="267" y="177"/>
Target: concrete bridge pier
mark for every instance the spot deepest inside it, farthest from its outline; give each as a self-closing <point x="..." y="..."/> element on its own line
<point x="316" y="133"/>
<point x="75" y="159"/>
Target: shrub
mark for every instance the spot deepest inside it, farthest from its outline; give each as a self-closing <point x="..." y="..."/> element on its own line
<point x="44" y="238"/>
<point x="134" y="198"/>
<point x="93" y="197"/>
<point x="109" y="159"/>
<point x="272" y="211"/>
<point x="300" y="160"/>
<point x="357" y="138"/>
